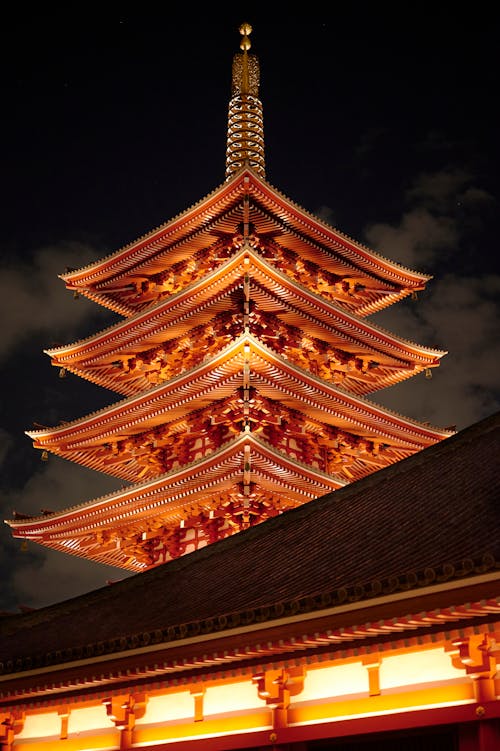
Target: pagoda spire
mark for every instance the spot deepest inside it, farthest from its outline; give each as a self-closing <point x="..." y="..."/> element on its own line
<point x="245" y="128"/>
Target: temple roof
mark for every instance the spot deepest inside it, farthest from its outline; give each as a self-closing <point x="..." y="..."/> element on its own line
<point x="94" y="358"/>
<point x="218" y="216"/>
<point x="426" y="526"/>
<point x="213" y="380"/>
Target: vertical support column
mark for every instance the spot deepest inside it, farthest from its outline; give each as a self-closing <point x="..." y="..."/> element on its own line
<point x="247" y="467"/>
<point x="372" y="664"/>
<point x="63" y="713"/>
<point x="11" y="723"/>
<point x="276" y="687"/>
<point x="475" y="654"/>
<point x="123" y="710"/>
<point x="479" y="736"/>
<point x="198" y="694"/>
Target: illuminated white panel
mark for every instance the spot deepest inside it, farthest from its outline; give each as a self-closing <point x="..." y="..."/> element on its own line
<point x="168" y="707"/>
<point x="231" y="697"/>
<point x="412" y="668"/>
<point x="88" y="718"/>
<point x="339" y="680"/>
<point x="40" y="726"/>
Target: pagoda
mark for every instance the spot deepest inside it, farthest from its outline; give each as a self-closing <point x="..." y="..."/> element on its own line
<point x="245" y="363"/>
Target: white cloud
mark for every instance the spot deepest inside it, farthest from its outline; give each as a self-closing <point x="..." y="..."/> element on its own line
<point x="458" y="312"/>
<point x="41" y="575"/>
<point x="415" y="242"/>
<point x="49" y="576"/>
<point x="438" y="190"/>
<point x="461" y="315"/>
<point x="33" y="299"/>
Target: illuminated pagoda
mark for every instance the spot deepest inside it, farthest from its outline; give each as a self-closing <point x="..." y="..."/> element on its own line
<point x="366" y="619"/>
<point x="246" y="363"/>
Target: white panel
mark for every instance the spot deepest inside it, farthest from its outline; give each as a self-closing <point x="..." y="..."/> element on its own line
<point x="231" y="697"/>
<point x="340" y="680"/>
<point x="88" y="718"/>
<point x="41" y="726"/>
<point x="428" y="666"/>
<point x="178" y="706"/>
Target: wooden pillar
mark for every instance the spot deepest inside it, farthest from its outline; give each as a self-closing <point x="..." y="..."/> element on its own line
<point x="372" y="664"/>
<point x="476" y="654"/>
<point x="198" y="695"/>
<point x="479" y="736"/>
<point x="123" y="710"/>
<point x="11" y="723"/>
<point x="276" y="687"/>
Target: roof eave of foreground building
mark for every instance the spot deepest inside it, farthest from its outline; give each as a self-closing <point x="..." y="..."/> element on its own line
<point x="296" y="629"/>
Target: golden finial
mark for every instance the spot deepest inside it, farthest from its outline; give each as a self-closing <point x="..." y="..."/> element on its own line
<point x="245" y="136"/>
<point x="245" y="30"/>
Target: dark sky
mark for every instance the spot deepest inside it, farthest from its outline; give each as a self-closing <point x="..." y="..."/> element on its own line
<point x="382" y="122"/>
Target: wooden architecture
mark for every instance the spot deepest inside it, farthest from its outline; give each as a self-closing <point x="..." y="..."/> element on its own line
<point x="367" y="619"/>
<point x="245" y="361"/>
<point x="358" y="607"/>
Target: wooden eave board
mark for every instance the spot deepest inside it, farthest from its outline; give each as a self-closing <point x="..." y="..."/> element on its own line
<point x="206" y="382"/>
<point x="206" y="297"/>
<point x="167" y="495"/>
<point x="142" y="255"/>
<point x="229" y="654"/>
<point x="383" y="377"/>
<point x="96" y="452"/>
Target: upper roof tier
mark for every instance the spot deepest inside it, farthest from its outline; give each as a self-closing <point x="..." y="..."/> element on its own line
<point x="132" y="278"/>
<point x="283" y="305"/>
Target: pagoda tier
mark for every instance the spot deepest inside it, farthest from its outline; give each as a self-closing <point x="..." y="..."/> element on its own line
<point x="245" y="358"/>
<point x="309" y="251"/>
<point x="176" y="333"/>
<point x="243" y="436"/>
<point x="245" y="383"/>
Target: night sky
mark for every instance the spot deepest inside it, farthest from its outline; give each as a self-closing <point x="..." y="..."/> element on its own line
<point x="384" y="124"/>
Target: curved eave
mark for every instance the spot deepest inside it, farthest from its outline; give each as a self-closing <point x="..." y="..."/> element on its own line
<point x="341" y="630"/>
<point x="216" y="378"/>
<point x="322" y="233"/>
<point x="245" y="182"/>
<point x="177" y="488"/>
<point x="204" y="297"/>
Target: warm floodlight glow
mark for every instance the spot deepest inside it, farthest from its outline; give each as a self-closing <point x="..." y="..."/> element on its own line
<point x="336" y="681"/>
<point x="412" y="668"/>
<point x="168" y="707"/>
<point x="40" y="726"/>
<point x="230" y="698"/>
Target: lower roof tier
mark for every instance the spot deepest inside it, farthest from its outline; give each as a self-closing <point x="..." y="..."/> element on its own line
<point x="209" y="398"/>
<point x="170" y="444"/>
<point x="239" y="439"/>
<point x="241" y="484"/>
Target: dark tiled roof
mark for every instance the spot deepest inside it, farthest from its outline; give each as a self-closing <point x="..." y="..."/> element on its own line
<point x="434" y="516"/>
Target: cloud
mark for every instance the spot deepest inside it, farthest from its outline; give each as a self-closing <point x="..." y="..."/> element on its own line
<point x="58" y="484"/>
<point x="458" y="312"/>
<point x="34" y="300"/>
<point x="6" y="443"/>
<point x="416" y="240"/>
<point x="439" y="191"/>
<point x="39" y="576"/>
<point x="462" y="316"/>
<point x="49" y="576"/>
